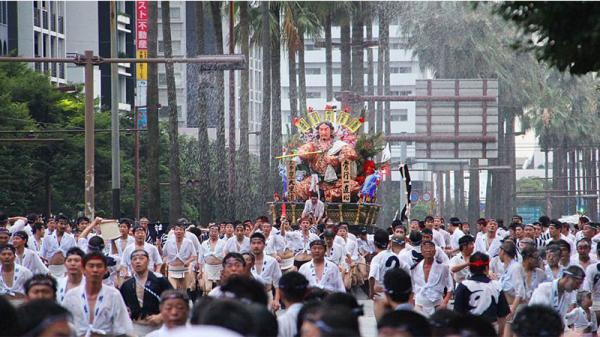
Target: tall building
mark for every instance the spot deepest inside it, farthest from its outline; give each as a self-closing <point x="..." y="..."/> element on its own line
<point x="404" y="71"/>
<point x="37" y="28"/>
<point x="178" y="44"/>
<point x="125" y="48"/>
<point x="3" y="27"/>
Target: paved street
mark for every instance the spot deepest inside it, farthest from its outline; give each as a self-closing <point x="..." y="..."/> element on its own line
<point x="368" y="326"/>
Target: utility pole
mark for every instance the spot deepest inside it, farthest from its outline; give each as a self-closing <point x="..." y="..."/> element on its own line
<point x="89" y="134"/>
<point x="114" y="116"/>
<point x="88" y="60"/>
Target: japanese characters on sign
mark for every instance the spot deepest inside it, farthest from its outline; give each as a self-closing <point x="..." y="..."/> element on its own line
<point x="141" y="37"/>
<point x="346" y="181"/>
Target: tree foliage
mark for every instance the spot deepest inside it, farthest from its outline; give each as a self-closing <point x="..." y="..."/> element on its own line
<point x="565" y="35"/>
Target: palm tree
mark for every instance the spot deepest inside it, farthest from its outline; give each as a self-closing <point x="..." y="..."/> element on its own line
<point x="174" y="176"/>
<point x="358" y="68"/>
<point x="221" y="179"/>
<point x="204" y="199"/>
<point x="244" y="151"/>
<point x="276" y="145"/>
<point x="265" y="130"/>
<point x="232" y="188"/>
<point x="153" y="126"/>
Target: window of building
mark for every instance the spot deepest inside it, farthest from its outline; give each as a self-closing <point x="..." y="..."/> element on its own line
<point x="399" y="115"/>
<point x="175" y="46"/>
<point x="400" y="92"/>
<point x="313" y="71"/>
<point x="400" y="70"/>
<point x="175" y="12"/>
<point x="313" y="94"/>
<point x="336" y="71"/>
<point x="310" y="46"/>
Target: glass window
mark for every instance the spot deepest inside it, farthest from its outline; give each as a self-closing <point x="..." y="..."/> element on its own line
<point x="399" y="115"/>
<point x="313" y="71"/>
<point x="175" y="12"/>
<point x="400" y="70"/>
<point x="313" y="94"/>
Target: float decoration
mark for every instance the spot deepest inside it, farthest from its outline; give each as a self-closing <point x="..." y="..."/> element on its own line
<point x="329" y="157"/>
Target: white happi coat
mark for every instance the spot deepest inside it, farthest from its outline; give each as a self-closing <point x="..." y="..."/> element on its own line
<point x="110" y="313"/>
<point x="381" y="263"/>
<point x="208" y="251"/>
<point x="185" y="251"/>
<point x="330" y="281"/>
<point x="20" y="276"/>
<point x="275" y="244"/>
<point x="430" y="293"/>
<point x="32" y="261"/>
<point x="547" y="294"/>
<point x="299" y="243"/>
<point x="119" y="242"/>
<point x="51" y="246"/>
<point x="270" y="272"/>
<point x="153" y="254"/>
<point x="232" y="245"/>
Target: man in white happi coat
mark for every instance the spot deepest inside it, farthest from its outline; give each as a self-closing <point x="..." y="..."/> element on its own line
<point x="27" y="257"/>
<point x="489" y="243"/>
<point x="430" y="278"/>
<point x="560" y="294"/>
<point x="13" y="276"/>
<point x="55" y="246"/>
<point x="97" y="309"/>
<point x="299" y="242"/>
<point x="383" y="261"/>
<point x="459" y="263"/>
<point x="321" y="273"/>
<point x="238" y="243"/>
<point x="266" y="269"/>
<point x="210" y="259"/>
<point x="74" y="277"/>
<point x="155" y="263"/>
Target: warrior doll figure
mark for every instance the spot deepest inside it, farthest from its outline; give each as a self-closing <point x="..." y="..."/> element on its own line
<point x="323" y="157"/>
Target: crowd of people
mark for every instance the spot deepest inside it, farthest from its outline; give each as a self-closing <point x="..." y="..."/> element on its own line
<point x="428" y="277"/>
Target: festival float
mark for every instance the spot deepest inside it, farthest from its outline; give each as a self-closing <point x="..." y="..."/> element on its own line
<point x="329" y="155"/>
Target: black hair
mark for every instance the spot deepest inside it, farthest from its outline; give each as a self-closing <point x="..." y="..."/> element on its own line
<point x="315" y="293"/>
<point x="39" y="279"/>
<point x="37" y="227"/>
<point x="32" y="218"/>
<point x="346" y="300"/>
<point x="537" y="320"/>
<point x="82" y="218"/>
<point x="9" y="323"/>
<point x="338" y="321"/>
<point x="472" y="325"/>
<point x="397" y="284"/>
<point x="510" y="248"/>
<point x="75" y="251"/>
<point x="96" y="243"/>
<point x="562" y="243"/>
<point x="442" y="322"/>
<point x="258" y="235"/>
<point x="293" y="286"/>
<point x="9" y="247"/>
<point x="309" y="310"/>
<point x="477" y="263"/>
<point x="328" y="125"/>
<point x="265" y="323"/>
<point x="427" y="231"/>
<point x="244" y="288"/>
<point x="95" y="255"/>
<point x="33" y="316"/>
<point x="314" y="194"/>
<point x="200" y="306"/>
<point x="410" y="321"/>
<point x="126" y="221"/>
<point x="236" y="256"/>
<point x="381" y="238"/>
<point x="227" y="314"/>
<point x="428" y="218"/>
<point x="544" y="221"/>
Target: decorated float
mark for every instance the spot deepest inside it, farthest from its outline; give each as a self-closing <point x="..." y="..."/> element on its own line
<point x="330" y="156"/>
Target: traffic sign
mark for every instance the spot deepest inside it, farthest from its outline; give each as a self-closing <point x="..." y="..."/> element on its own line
<point x="414" y="196"/>
<point x="426" y="196"/>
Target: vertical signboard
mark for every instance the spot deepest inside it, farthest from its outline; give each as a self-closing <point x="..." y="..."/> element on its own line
<point x="345" y="181"/>
<point x="141" y="43"/>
